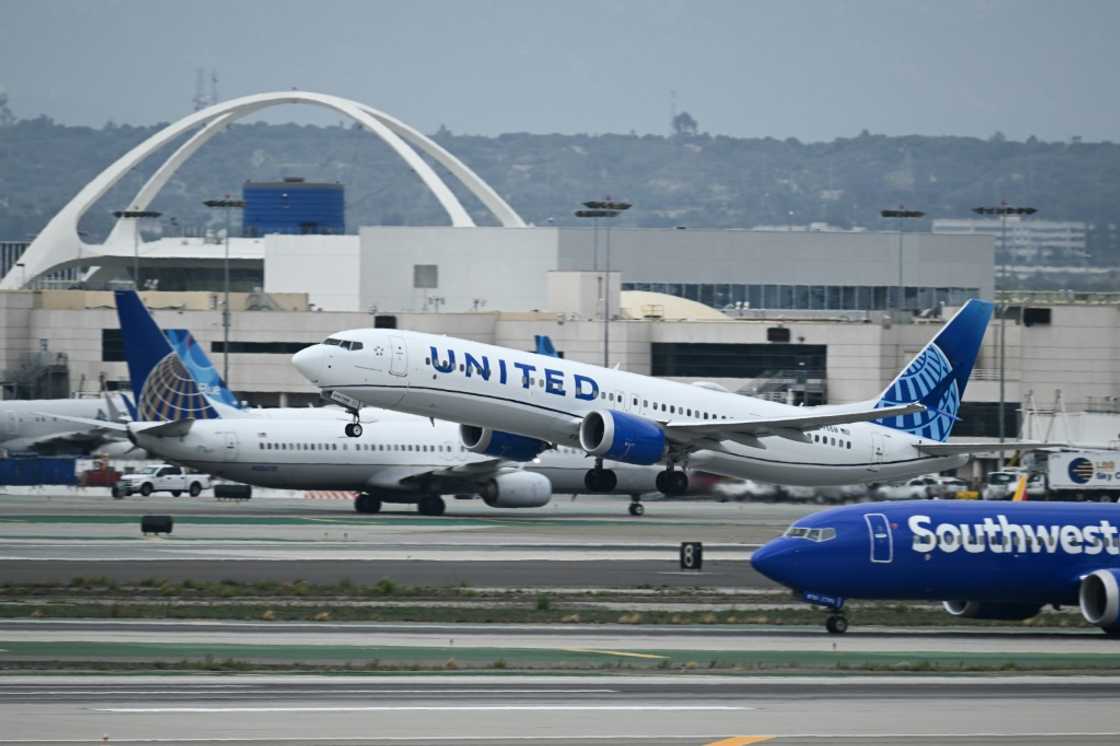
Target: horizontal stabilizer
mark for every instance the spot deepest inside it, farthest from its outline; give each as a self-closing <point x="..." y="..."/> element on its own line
<point x="948" y="449"/>
<point x="103" y="424"/>
<point x="786" y="425"/>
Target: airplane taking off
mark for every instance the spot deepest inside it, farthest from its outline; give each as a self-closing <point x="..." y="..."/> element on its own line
<point x="982" y="560"/>
<point x="636" y="419"/>
<point x="191" y="418"/>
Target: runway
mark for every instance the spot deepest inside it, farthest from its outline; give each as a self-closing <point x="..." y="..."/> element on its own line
<point x="585" y="710"/>
<point x="586" y="543"/>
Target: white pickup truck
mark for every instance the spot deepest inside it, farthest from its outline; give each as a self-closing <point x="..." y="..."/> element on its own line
<point x="161" y="478"/>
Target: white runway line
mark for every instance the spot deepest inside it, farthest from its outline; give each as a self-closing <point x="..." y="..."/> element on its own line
<point x="427" y="708"/>
<point x="270" y="692"/>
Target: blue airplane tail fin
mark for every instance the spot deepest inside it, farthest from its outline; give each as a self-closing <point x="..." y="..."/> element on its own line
<point x="937" y="376"/>
<point x="163" y="387"/>
<point x="544" y="345"/>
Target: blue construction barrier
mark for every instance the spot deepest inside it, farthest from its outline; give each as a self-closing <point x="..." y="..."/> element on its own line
<point x="37" y="470"/>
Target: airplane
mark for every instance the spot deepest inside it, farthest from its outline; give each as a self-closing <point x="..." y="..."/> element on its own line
<point x="30" y="425"/>
<point x="982" y="560"/>
<point x="637" y="419"/>
<point x="400" y="458"/>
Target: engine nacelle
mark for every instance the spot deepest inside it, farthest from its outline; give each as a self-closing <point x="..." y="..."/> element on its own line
<point x="991" y="610"/>
<point x="500" y="444"/>
<point x="1099" y="597"/>
<point x="622" y="437"/>
<point x="519" y="489"/>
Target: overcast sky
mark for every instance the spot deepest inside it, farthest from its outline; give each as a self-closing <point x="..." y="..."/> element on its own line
<point x="780" y="68"/>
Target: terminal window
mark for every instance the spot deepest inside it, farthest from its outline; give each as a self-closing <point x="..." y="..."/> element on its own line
<point x="425" y="276"/>
<point x="715" y="360"/>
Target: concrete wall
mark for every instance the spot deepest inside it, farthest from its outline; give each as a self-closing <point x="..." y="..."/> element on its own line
<point x="327" y="268"/>
<point x="504" y="269"/>
<point x="787" y="258"/>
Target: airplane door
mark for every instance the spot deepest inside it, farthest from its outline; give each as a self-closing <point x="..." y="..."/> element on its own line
<point x="882" y="545"/>
<point x="398" y="364"/>
<point x="878" y="450"/>
<point x="229" y="447"/>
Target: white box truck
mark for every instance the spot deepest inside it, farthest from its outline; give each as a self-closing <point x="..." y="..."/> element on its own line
<point x="1081" y="475"/>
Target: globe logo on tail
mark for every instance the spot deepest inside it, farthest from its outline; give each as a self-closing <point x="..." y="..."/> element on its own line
<point x="928" y="379"/>
<point x="170" y="394"/>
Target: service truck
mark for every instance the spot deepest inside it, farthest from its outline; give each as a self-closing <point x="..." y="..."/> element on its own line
<point x="161" y="478"/>
<point x="1061" y="475"/>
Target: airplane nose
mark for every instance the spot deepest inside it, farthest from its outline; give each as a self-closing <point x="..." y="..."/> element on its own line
<point x="773" y="560"/>
<point x="308" y="361"/>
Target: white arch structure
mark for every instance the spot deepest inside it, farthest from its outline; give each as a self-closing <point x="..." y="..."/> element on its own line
<point x="58" y="245"/>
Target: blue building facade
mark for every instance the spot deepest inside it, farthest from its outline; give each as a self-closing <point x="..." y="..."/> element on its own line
<point x="294" y="206"/>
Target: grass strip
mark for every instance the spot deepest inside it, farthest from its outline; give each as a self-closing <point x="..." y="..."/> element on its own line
<point x="22" y="655"/>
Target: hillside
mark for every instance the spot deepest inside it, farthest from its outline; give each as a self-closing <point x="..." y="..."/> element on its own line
<point x="693" y="180"/>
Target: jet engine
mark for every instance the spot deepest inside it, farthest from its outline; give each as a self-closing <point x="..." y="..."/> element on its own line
<point x="500" y="444"/>
<point x="1100" y="599"/>
<point x="519" y="489"/>
<point x="991" y="610"/>
<point x="622" y="437"/>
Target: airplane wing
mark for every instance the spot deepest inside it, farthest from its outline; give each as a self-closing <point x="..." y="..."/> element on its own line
<point x="788" y="427"/>
<point x="158" y="429"/>
<point x="948" y="449"/>
<point x="457" y="477"/>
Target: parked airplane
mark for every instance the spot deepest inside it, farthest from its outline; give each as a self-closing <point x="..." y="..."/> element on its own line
<point x="983" y="560"/>
<point x="191" y="418"/>
<point x="613" y="414"/>
<point x="30" y="425"/>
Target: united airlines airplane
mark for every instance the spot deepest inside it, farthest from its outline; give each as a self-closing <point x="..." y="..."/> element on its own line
<point x="636" y="419"/>
<point x="983" y="560"/>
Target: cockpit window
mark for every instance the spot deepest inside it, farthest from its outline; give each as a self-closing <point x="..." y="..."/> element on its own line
<point x="812" y="534"/>
<point x="355" y="345"/>
<point x="332" y="341"/>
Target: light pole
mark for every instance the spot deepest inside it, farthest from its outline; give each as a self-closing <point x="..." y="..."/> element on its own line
<point x="1003" y="210"/>
<point x="899" y="215"/>
<point x="136" y="215"/>
<point x="596" y="209"/>
<point x="227" y="204"/>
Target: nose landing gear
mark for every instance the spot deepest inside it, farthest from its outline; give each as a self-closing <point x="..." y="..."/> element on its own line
<point x="353" y="429"/>
<point x="636" y="508"/>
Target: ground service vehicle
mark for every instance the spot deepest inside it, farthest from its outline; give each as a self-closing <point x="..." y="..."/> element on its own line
<point x="161" y="478"/>
<point x="1081" y="475"/>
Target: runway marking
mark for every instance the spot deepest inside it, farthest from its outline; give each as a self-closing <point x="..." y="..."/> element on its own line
<point x="740" y="740"/>
<point x="620" y="653"/>
<point x="267" y="692"/>
<point x="429" y="708"/>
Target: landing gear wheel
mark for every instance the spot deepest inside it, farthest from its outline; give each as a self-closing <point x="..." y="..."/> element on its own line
<point x="367" y="504"/>
<point x="431" y="505"/>
<point x="354" y="430"/>
<point x="836" y="624"/>
<point x="600" y="480"/>
<point x="672" y="482"/>
<point x="637" y="509"/>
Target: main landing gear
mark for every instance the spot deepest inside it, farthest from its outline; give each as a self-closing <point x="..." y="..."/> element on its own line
<point x="366" y="503"/>
<point x="600" y="479"/>
<point x="672" y="482"/>
<point x="431" y="505"/>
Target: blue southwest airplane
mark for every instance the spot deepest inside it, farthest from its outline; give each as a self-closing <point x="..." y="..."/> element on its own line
<point x="983" y="560"/>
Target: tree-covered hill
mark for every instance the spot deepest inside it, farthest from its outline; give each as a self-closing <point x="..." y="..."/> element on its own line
<point x="690" y="179"/>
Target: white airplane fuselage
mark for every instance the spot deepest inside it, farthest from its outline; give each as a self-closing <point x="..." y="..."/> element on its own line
<point x="312" y="453"/>
<point x="28" y="425"/>
<point x="547" y="398"/>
